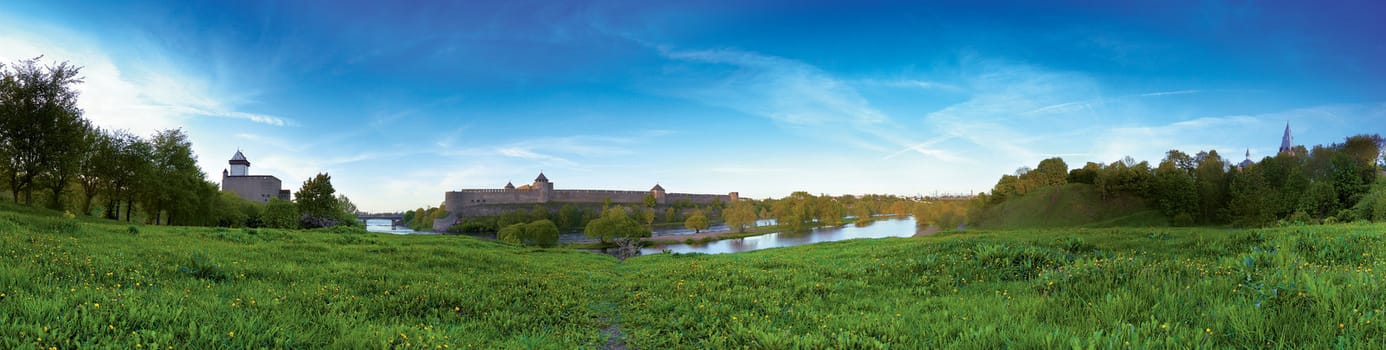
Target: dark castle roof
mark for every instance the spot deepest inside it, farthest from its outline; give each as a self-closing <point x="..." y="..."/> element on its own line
<point x="509" y="185"/>
<point x="1287" y="141"/>
<point x="541" y="178"/>
<point x="239" y="158"/>
<point x="657" y="188"/>
<point x="1247" y="162"/>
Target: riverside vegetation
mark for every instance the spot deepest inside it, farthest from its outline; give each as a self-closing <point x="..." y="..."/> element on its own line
<point x="75" y="282"/>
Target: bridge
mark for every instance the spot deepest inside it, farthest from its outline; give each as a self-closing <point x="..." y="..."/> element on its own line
<point x="396" y="219"/>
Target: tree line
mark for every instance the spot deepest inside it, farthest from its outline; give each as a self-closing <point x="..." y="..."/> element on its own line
<point x="1325" y="184"/>
<point x="51" y="155"/>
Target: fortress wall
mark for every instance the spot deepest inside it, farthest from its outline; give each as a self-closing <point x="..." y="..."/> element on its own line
<point x="597" y="196"/>
<point x="697" y="198"/>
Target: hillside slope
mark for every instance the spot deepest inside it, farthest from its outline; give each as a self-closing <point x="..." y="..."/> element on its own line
<point x="1070" y="205"/>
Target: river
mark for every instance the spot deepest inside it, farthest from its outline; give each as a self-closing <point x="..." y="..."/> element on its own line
<point x="383" y="226"/>
<point x="882" y="228"/>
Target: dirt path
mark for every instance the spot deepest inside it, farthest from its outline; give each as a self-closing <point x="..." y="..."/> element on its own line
<point x="613" y="337"/>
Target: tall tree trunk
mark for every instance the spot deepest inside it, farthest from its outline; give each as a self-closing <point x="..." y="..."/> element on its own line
<point x="113" y="208"/>
<point x="129" y="207"/>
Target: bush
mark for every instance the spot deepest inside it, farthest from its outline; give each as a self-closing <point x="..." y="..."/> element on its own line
<point x="202" y="267"/>
<point x="539" y="233"/>
<point x="1183" y="220"/>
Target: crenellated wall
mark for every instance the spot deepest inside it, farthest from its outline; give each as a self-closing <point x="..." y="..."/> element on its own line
<point x="489" y="202"/>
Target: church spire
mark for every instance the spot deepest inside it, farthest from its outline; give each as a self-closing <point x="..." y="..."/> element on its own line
<point x="1287" y="141"/>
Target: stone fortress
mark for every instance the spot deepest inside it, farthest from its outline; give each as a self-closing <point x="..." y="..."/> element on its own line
<point x="487" y="202"/>
<point x="256" y="188"/>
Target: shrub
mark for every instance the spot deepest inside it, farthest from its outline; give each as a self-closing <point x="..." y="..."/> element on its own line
<point x="1183" y="220"/>
<point x="201" y="266"/>
<point x="133" y="230"/>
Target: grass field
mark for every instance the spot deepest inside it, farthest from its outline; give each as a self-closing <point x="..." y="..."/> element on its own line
<point x="70" y="283"/>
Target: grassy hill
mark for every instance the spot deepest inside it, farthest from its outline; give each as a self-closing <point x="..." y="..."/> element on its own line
<point x="1071" y="205"/>
<point x="78" y="283"/>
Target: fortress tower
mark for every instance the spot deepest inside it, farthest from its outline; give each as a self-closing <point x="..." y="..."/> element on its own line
<point x="543" y="186"/>
<point x="257" y="188"/>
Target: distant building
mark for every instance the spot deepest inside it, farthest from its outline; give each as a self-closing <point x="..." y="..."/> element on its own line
<point x="256" y="188"/>
<point x="1247" y="162"/>
<point x="1287" y="141"/>
<point x="497" y="201"/>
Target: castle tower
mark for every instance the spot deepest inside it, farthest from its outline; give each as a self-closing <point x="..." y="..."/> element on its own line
<point x="239" y="165"/>
<point x="658" y="192"/>
<point x="1247" y="162"/>
<point x="544" y="187"/>
<point x="1287" y="141"/>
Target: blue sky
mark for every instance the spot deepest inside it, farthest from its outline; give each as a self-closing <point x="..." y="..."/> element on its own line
<point x="400" y="103"/>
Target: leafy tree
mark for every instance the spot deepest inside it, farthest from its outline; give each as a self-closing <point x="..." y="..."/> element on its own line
<point x="1249" y="202"/>
<point x="569" y="217"/>
<point x="174" y="177"/>
<point x="1174" y="190"/>
<point x="93" y="163"/>
<point x="40" y="125"/>
<point x="518" y="216"/>
<point x="648" y="216"/>
<point x="1211" y="184"/>
<point x="280" y="214"/>
<point x="670" y="215"/>
<point x="650" y="200"/>
<point x="1050" y="172"/>
<point x="740" y="215"/>
<point x="539" y="212"/>
<point x="317" y="202"/>
<point x="347" y="211"/>
<point x="614" y="223"/>
<point x="697" y="222"/>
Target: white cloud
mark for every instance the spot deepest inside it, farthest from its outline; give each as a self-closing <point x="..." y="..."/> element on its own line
<point x="149" y="97"/>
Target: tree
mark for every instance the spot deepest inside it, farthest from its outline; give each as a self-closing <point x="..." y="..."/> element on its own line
<point x="697" y="222"/>
<point x="1051" y="172"/>
<point x="1174" y="191"/>
<point x="1211" y="184"/>
<point x="740" y="215"/>
<point x="317" y="203"/>
<point x="1248" y="201"/>
<point x="650" y="200"/>
<point x="648" y="216"/>
<point x="174" y="177"/>
<point x="40" y="124"/>
<point x="613" y="224"/>
<point x="347" y="210"/>
<point x="569" y="217"/>
<point x="93" y="163"/>
<point x="280" y="214"/>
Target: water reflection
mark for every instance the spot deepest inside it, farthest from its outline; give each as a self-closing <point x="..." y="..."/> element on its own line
<point x="882" y="228"/>
<point x="383" y="226"/>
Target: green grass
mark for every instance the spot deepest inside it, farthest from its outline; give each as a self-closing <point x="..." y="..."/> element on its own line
<point x="1141" y="288"/>
<point x="177" y="287"/>
<point x="74" y="283"/>
<point x="1071" y="205"/>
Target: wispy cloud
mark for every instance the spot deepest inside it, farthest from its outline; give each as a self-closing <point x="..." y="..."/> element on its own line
<point x="1167" y="93"/>
<point x="141" y="100"/>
